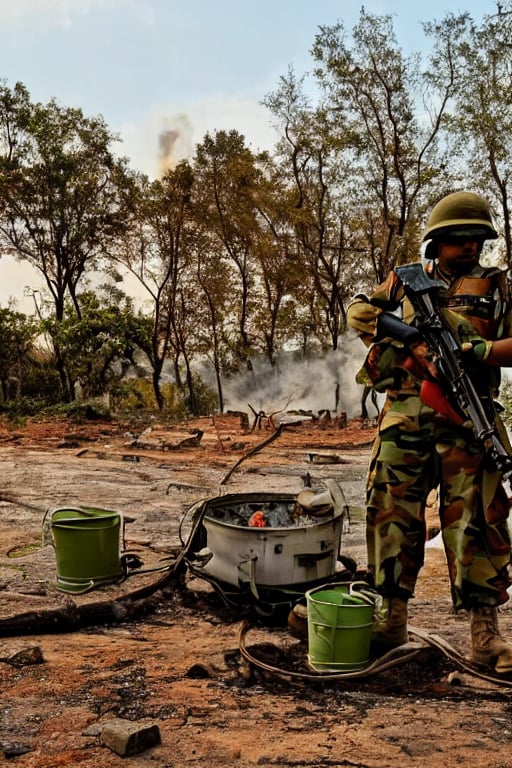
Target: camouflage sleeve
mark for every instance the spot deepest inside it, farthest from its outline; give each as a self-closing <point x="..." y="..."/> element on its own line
<point x="386" y="362"/>
<point x="363" y="311"/>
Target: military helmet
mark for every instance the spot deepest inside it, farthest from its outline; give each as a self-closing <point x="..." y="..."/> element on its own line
<point x="463" y="211"/>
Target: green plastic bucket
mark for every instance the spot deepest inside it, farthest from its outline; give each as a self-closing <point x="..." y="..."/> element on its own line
<point x="339" y="628"/>
<point x="87" y="547"/>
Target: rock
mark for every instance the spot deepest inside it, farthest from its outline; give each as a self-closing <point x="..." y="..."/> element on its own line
<point x="14" y="749"/>
<point x="128" y="738"/>
<point x="198" y="672"/>
<point x="25" y="657"/>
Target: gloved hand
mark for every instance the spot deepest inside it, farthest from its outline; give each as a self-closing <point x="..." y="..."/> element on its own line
<point x="479" y="349"/>
<point x="498" y="352"/>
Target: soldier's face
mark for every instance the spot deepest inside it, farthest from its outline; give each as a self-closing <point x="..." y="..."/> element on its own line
<point x="458" y="255"/>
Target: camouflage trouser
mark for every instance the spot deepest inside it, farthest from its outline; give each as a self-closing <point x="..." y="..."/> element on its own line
<point x="413" y="454"/>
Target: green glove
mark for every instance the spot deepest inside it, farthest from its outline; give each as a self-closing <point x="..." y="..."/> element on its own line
<point x="480" y="348"/>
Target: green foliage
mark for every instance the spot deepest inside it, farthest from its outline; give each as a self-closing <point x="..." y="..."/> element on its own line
<point x="98" y="345"/>
<point x="17" y="333"/>
<point x="80" y="410"/>
<point x="137" y="396"/>
<point x="18" y="411"/>
<point x="41" y="384"/>
<point x="506" y="402"/>
<point x="205" y="397"/>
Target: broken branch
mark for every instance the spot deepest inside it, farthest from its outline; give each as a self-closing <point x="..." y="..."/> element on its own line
<point x="252" y="451"/>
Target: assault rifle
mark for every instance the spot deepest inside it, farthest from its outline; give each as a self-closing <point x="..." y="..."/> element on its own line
<point x="454" y="386"/>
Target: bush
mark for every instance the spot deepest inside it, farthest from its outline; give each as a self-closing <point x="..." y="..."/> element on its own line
<point x="41" y="382"/>
<point x="136" y="396"/>
<point x="206" y="397"/>
<point x="22" y="407"/>
<point x="81" y="410"/>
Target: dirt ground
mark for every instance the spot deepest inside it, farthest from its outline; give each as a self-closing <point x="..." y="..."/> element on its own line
<point x="179" y="663"/>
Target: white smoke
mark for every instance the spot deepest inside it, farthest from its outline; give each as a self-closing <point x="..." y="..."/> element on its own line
<point x="317" y="384"/>
<point x="18" y="282"/>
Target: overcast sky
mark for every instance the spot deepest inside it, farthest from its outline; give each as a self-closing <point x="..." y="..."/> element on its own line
<point x="192" y="66"/>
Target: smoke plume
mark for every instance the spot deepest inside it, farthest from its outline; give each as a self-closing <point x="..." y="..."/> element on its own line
<point x="174" y="142"/>
<point x="324" y="383"/>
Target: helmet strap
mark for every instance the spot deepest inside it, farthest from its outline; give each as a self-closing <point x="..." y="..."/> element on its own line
<point x="431" y="250"/>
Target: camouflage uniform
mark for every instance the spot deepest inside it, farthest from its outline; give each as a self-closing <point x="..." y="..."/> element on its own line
<point x="417" y="450"/>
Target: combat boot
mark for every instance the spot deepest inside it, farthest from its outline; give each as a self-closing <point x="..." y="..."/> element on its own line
<point x="390" y="630"/>
<point x="488" y="646"/>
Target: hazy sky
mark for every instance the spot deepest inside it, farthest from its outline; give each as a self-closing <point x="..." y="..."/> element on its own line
<point x="195" y="65"/>
<point x="191" y="66"/>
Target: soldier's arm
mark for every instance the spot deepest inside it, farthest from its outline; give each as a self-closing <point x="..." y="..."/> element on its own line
<point x="363" y="311"/>
<point x="498" y="351"/>
<point x="362" y="318"/>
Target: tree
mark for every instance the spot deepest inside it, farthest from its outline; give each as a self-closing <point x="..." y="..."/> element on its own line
<point x="98" y="345"/>
<point x="18" y="333"/>
<point x="316" y="162"/>
<point x="280" y="280"/>
<point x="225" y="178"/>
<point x="374" y="94"/>
<point x="154" y="251"/>
<point x="213" y="281"/>
<point x="480" y="122"/>
<point x="62" y="192"/>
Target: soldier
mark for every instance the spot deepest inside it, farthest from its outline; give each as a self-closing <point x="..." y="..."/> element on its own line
<point x="419" y="449"/>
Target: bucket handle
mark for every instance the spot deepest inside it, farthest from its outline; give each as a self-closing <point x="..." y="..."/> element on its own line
<point x="365" y="593"/>
<point x="77" y="589"/>
<point x="88" y="511"/>
<point x="79" y="510"/>
<point x="368" y="594"/>
<point x="85" y="511"/>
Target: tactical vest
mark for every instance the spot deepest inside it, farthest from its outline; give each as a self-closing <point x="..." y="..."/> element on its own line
<point x="482" y="298"/>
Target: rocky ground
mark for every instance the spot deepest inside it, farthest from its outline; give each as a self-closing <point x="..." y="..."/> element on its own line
<point x="182" y="659"/>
